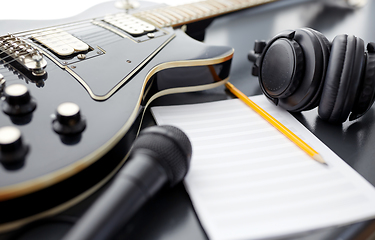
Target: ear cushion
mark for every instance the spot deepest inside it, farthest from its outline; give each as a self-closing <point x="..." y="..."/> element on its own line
<point x="342" y="78"/>
<point x="366" y="94"/>
<point x="324" y="41"/>
<point x="326" y="48"/>
<point x="316" y="50"/>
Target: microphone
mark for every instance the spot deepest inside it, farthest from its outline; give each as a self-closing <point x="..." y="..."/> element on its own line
<point x="160" y="156"/>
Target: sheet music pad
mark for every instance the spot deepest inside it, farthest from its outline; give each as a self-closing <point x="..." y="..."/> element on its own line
<point x="248" y="181"/>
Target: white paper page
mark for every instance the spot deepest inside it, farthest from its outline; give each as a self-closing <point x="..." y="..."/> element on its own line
<point x="248" y="181"/>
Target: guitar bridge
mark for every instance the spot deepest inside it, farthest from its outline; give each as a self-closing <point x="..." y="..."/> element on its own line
<point x="15" y="49"/>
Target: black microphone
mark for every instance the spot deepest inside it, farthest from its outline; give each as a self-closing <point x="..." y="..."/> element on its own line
<point x="160" y="156"/>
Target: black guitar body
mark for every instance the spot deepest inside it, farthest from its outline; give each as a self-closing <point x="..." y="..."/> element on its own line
<point x="111" y="83"/>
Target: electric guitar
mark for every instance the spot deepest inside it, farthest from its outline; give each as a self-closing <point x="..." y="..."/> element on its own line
<point x="73" y="95"/>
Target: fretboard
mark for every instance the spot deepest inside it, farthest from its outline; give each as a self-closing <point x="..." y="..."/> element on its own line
<point x="183" y="14"/>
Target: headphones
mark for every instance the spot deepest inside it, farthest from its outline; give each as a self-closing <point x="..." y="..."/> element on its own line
<point x="300" y="70"/>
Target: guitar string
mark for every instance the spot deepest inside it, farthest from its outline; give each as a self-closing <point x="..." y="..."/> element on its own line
<point x="106" y="40"/>
<point x="156" y="10"/>
<point x="47" y="31"/>
<point x="48" y="68"/>
<point x="234" y="5"/>
<point x="68" y="26"/>
<point x="91" y="36"/>
<point x="85" y="21"/>
<point x="88" y="26"/>
<point x="12" y="74"/>
<point x="83" y="24"/>
<point x="98" y="36"/>
<point x="71" y="27"/>
<point x="83" y="39"/>
<point x="197" y="15"/>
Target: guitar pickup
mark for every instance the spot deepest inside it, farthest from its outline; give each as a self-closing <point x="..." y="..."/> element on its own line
<point x="60" y="42"/>
<point x="17" y="50"/>
<point x="130" y="24"/>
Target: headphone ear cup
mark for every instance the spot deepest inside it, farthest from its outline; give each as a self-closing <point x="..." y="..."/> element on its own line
<point x="300" y="91"/>
<point x="325" y="47"/>
<point x="366" y="93"/>
<point x="342" y="78"/>
<point x="324" y="41"/>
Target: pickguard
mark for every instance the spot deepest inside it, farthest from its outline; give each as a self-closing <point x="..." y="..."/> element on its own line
<point x="105" y="73"/>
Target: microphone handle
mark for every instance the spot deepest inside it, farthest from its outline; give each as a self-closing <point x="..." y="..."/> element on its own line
<point x="138" y="180"/>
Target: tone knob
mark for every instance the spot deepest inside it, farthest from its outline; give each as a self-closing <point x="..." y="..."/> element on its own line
<point x="12" y="148"/>
<point x="68" y="119"/>
<point x="18" y="100"/>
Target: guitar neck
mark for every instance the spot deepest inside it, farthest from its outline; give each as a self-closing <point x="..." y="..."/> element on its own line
<point x="174" y="16"/>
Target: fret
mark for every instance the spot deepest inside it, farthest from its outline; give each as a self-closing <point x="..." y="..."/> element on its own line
<point x="239" y="4"/>
<point x="191" y="13"/>
<point x="208" y="6"/>
<point x="206" y="11"/>
<point x="164" y="17"/>
<point x="175" y="14"/>
<point x="218" y="4"/>
<point x="227" y="4"/>
<point x="167" y="15"/>
<point x="166" y="21"/>
<point x="198" y="12"/>
<point x="219" y="8"/>
<point x="178" y="15"/>
<point x="152" y="19"/>
<point x="184" y="14"/>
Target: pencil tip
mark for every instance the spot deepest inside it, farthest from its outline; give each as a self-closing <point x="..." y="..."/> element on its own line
<point x="319" y="158"/>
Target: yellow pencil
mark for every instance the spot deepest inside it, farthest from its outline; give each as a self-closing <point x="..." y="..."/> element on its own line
<point x="289" y="134"/>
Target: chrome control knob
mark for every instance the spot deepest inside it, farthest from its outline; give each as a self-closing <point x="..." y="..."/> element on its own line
<point x="68" y="119"/>
<point x="12" y="148"/>
<point x="18" y="100"/>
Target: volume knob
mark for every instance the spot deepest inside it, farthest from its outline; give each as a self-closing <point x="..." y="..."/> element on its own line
<point x="12" y="148"/>
<point x="18" y="100"/>
<point x="68" y="119"/>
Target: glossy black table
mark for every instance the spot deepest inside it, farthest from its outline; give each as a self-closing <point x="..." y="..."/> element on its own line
<point x="170" y="214"/>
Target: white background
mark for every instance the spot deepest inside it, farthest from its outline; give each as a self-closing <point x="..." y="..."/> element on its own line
<point x="53" y="9"/>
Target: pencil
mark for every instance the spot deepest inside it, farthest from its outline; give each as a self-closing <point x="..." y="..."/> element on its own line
<point x="289" y="134"/>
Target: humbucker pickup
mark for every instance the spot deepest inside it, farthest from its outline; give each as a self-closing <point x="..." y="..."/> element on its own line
<point x="60" y="42"/>
<point x="15" y="49"/>
<point x="130" y="24"/>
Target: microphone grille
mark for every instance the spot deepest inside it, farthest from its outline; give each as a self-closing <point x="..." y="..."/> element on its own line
<point x="172" y="148"/>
